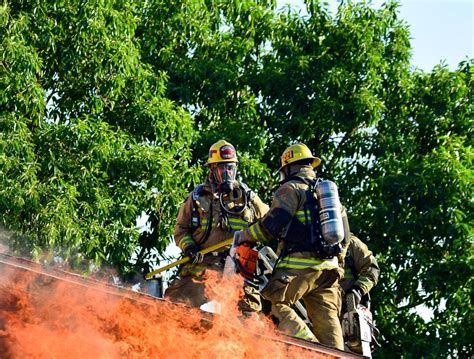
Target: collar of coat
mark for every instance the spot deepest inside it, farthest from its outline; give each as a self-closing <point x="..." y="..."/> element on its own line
<point x="303" y="172"/>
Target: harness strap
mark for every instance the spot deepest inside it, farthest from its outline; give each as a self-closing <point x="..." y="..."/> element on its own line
<point x="195" y="216"/>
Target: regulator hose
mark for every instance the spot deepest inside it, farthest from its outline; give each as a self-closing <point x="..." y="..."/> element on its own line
<point x="238" y="209"/>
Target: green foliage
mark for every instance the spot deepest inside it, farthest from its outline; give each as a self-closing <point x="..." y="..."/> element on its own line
<point x="108" y="108"/>
<point x="422" y="192"/>
<point x="88" y="141"/>
<point x="210" y="52"/>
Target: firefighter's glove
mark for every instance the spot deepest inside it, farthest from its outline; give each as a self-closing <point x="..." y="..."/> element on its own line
<point x="192" y="251"/>
<point x="357" y="293"/>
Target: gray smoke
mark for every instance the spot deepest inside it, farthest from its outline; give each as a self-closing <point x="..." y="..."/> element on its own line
<point x="4" y="237"/>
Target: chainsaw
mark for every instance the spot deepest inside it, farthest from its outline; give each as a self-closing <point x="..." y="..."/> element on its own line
<point x="245" y="260"/>
<point x="358" y="327"/>
<point x="242" y="259"/>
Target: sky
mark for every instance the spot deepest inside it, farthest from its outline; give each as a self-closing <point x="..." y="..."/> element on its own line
<point x="441" y="30"/>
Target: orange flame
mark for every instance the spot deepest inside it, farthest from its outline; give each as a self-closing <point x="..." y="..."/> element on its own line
<point x="42" y="317"/>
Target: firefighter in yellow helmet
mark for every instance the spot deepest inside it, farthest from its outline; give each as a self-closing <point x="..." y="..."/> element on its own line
<point x="300" y="272"/>
<point x="212" y="212"/>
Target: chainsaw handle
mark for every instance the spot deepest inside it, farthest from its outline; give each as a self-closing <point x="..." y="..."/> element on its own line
<point x="351" y="302"/>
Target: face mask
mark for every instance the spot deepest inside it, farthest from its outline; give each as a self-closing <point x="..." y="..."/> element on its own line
<point x="224" y="175"/>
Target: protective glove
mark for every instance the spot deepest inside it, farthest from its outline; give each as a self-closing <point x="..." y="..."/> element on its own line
<point x="192" y="251"/>
<point x="357" y="293"/>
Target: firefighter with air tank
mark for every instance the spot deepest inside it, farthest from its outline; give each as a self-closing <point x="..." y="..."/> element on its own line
<point x="310" y="242"/>
<point x="211" y="214"/>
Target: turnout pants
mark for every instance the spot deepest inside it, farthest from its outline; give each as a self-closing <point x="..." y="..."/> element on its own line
<point x="319" y="289"/>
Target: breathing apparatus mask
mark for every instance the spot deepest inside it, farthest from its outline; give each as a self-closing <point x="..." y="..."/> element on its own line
<point x="222" y="164"/>
<point x="223" y="175"/>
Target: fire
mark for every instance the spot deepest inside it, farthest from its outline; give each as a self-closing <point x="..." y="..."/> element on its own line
<point x="43" y="317"/>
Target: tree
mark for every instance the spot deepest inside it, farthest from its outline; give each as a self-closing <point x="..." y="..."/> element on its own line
<point x="86" y="129"/>
<point x="421" y="191"/>
<point x="107" y="109"/>
<point x="212" y="52"/>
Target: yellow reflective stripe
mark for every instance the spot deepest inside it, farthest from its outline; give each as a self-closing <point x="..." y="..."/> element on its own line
<point x="305" y="334"/>
<point x="238" y="227"/>
<point x="306" y="260"/>
<point x="365" y="281"/>
<point x="348" y="274"/>
<point x="204" y="220"/>
<point x="237" y="220"/>
<point x="303" y="263"/>
<point x="185" y="241"/>
<point x="300" y="215"/>
<point x="233" y="225"/>
<point x="236" y="223"/>
<point x="256" y="232"/>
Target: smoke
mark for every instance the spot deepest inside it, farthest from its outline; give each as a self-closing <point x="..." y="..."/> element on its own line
<point x="42" y="317"/>
<point x="4" y="236"/>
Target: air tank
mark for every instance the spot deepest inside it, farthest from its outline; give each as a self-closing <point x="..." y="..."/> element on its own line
<point x="330" y="215"/>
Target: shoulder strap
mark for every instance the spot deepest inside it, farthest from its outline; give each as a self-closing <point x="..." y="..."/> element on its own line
<point x="311" y="210"/>
<point x="199" y="191"/>
<point x="249" y="194"/>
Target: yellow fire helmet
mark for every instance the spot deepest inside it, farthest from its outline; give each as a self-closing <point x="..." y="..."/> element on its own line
<point x="297" y="152"/>
<point x="222" y="151"/>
